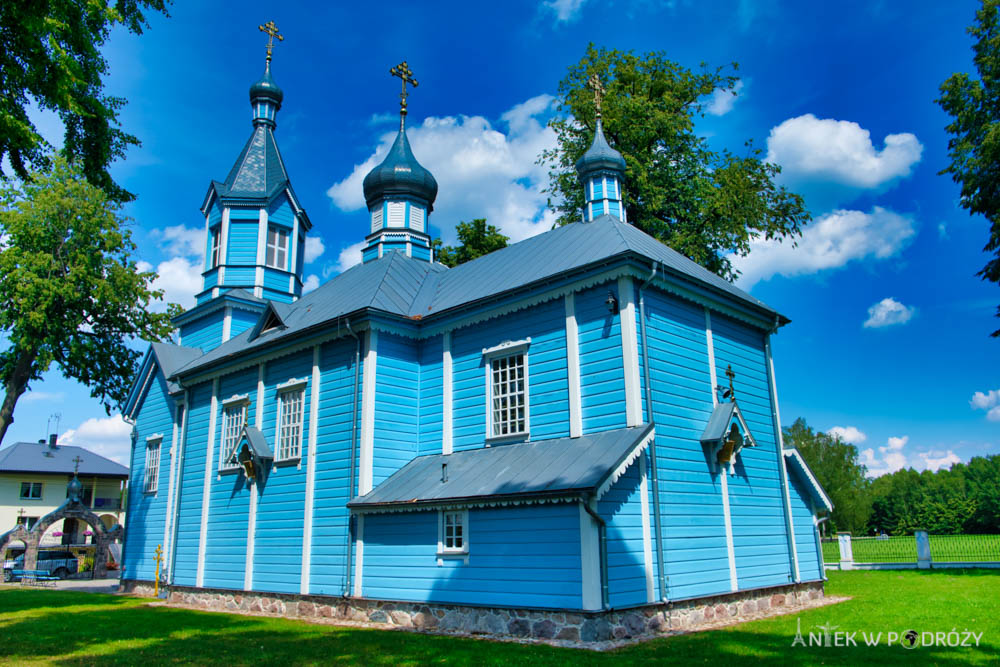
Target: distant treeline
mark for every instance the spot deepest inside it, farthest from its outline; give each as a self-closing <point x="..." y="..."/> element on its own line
<point x="963" y="499"/>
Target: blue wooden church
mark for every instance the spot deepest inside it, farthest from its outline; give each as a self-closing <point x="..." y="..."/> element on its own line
<point x="585" y="420"/>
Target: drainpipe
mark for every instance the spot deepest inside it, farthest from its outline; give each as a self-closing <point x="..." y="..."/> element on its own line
<point x="654" y="468"/>
<point x="602" y="539"/>
<point x="350" y="466"/>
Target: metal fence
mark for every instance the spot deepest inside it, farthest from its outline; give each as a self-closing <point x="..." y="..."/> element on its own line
<point x="919" y="550"/>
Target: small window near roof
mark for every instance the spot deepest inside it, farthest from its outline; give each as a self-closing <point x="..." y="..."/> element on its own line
<point x="216" y="243"/>
<point x="152" y="479"/>
<point x="31" y="490"/>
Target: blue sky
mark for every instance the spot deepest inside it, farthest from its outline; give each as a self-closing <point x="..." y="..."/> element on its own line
<point x="889" y="335"/>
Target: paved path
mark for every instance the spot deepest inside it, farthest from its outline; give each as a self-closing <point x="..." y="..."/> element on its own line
<point x="88" y="585"/>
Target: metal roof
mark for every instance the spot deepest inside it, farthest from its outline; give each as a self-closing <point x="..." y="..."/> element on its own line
<point x="547" y="468"/>
<point x="797" y="464"/>
<point x="258" y="443"/>
<point x="718" y="423"/>
<point x="600" y="156"/>
<point x="36" y="457"/>
<point x="259" y="171"/>
<point x="171" y="358"/>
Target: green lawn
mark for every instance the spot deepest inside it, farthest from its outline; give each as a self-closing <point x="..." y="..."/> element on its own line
<point x="40" y="626"/>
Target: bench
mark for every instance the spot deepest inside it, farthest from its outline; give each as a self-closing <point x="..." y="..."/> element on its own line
<point x="35" y="577"/>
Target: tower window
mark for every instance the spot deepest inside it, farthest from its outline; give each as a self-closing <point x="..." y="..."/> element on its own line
<point x="216" y="242"/>
<point x="416" y="218"/>
<point x="277" y="248"/>
<point x="397" y="214"/>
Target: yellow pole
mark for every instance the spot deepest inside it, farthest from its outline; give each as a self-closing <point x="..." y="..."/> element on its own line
<point x="158" y="559"/>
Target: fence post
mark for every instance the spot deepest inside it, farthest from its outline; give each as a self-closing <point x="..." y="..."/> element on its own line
<point x="923" y="549"/>
<point x="846" y="553"/>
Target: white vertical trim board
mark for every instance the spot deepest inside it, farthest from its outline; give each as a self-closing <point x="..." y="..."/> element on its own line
<point x="261" y="237"/>
<point x="177" y="489"/>
<point x="206" y="493"/>
<point x="359" y="556"/>
<point x="447" y="425"/>
<point x="367" y="456"/>
<point x="647" y="539"/>
<point x="227" y="324"/>
<point x="258" y="421"/>
<point x="590" y="555"/>
<point x="307" y="522"/>
<point x="723" y="477"/>
<point x="170" y="486"/>
<point x="630" y="351"/>
<point x="292" y="257"/>
<point x="573" y="367"/>
<point x="223" y="241"/>
<point x="782" y="469"/>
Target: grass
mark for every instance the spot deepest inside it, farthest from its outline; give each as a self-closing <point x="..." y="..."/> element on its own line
<point x="57" y="627"/>
<point x="903" y="549"/>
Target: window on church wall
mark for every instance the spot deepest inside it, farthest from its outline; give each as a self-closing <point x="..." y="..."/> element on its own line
<point x="152" y="472"/>
<point x="31" y="490"/>
<point x="397" y="214"/>
<point x="453" y="532"/>
<point x="290" y="414"/>
<point x="416" y="218"/>
<point x="277" y="248"/>
<point x="508" y="396"/>
<point x="216" y="243"/>
<point x="234" y="418"/>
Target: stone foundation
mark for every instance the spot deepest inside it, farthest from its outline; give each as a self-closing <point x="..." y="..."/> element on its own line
<point x="502" y="623"/>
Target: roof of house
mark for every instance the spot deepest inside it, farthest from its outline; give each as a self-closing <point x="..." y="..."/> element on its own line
<point x="37" y="457"/>
<point x="171" y="358"/>
<point x="259" y="170"/>
<point x="546" y="468"/>
<point x="408" y="287"/>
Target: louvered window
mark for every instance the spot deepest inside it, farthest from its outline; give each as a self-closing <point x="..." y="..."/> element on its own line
<point x="397" y="212"/>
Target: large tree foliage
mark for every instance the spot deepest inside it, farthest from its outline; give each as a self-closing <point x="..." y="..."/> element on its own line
<point x="50" y="55"/>
<point x="974" y="146"/>
<point x="70" y="294"/>
<point x="835" y="464"/>
<point x="476" y="238"/>
<point x="703" y="203"/>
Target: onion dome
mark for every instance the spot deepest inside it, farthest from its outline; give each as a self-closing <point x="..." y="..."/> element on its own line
<point x="266" y="89"/>
<point x="74" y="491"/>
<point x="600" y="156"/>
<point x="400" y="175"/>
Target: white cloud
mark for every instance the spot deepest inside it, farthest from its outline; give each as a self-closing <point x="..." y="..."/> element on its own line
<point x="887" y="312"/>
<point x="935" y="460"/>
<point x="181" y="240"/>
<point x="314" y="248"/>
<point x="890" y="458"/>
<point x="723" y="99"/>
<point x="179" y="278"/>
<point x="942" y="231"/>
<point x="829" y="242"/>
<point x="988" y="401"/>
<point x="47" y="396"/>
<point x="311" y="283"/>
<point x="565" y="10"/>
<point x="481" y="171"/>
<point x="839" y="151"/>
<point x="109" y="437"/>
<point x="348" y="257"/>
<point x="849" y="434"/>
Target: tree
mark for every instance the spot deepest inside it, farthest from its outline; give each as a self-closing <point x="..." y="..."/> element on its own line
<point x="477" y="239"/>
<point x="835" y="464"/>
<point x="702" y="203"/>
<point x="974" y="146"/>
<point x="50" y="55"/>
<point x="70" y="294"/>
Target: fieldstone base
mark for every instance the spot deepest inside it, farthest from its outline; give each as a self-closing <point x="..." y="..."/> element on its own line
<point x="579" y="628"/>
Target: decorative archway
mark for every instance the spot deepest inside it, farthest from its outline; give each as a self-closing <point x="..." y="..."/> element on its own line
<point x="73" y="508"/>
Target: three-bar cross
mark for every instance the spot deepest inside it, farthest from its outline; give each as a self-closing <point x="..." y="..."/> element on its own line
<point x="403" y="71"/>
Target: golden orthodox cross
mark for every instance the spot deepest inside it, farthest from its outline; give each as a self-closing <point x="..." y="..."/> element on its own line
<point x="272" y="32"/>
<point x="20" y="513"/>
<point x="403" y="71"/>
<point x="76" y="467"/>
<point x="731" y="374"/>
<point x="594" y="83"/>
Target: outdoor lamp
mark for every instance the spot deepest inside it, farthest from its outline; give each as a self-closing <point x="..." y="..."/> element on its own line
<point x="612" y="303"/>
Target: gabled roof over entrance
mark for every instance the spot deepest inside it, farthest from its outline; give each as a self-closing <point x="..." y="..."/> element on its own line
<point x="797" y="465"/>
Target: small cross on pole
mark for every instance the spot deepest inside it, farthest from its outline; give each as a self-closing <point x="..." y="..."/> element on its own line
<point x="731" y="374"/>
<point x="403" y="71"/>
<point x="76" y="464"/>
<point x="272" y="32"/>
<point x="20" y="515"/>
<point x="594" y="83"/>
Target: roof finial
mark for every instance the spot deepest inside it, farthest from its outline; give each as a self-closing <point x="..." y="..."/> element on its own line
<point x="76" y="464"/>
<point x="731" y="374"/>
<point x="594" y="83"/>
<point x="403" y="71"/>
<point x="272" y="32"/>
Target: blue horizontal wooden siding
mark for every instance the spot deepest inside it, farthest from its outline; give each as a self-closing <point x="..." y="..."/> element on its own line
<point x="240" y="276"/>
<point x="281" y="502"/>
<point x="242" y="243"/>
<point x="397" y="381"/>
<point x="526" y="556"/>
<point x="621" y="509"/>
<point x="241" y="321"/>
<point x="192" y="477"/>
<point x="431" y="395"/>
<point x="276" y="280"/>
<point x="333" y="445"/>
<point x="810" y="568"/>
<point x="229" y="515"/>
<point x="280" y="212"/>
<point x="147" y="513"/>
<point x="204" y="332"/>
<point x="694" y="542"/>
<point x="211" y="278"/>
<point x="602" y="374"/>
<point x="755" y="498"/>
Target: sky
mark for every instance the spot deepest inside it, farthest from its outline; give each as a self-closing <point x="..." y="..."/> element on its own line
<point x="888" y="345"/>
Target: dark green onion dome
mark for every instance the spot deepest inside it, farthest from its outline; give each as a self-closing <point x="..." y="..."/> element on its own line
<point x="74" y="491"/>
<point x="266" y="88"/>
<point x="600" y="157"/>
<point x="400" y="175"/>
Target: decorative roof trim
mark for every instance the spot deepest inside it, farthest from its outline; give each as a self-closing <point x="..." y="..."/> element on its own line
<point x="507" y="347"/>
<point x="800" y="462"/>
<point x="155" y="436"/>
<point x="293" y="383"/>
<point x="140" y="385"/>
<point x="235" y="399"/>
<point x="568" y="497"/>
<point x="629" y="459"/>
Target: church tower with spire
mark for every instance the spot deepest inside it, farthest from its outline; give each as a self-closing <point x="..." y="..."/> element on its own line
<point x="400" y="194"/>
<point x="601" y="169"/>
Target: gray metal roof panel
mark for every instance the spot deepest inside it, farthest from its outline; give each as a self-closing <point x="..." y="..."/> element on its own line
<point x="40" y="458"/>
<point x="545" y="467"/>
<point x="718" y="423"/>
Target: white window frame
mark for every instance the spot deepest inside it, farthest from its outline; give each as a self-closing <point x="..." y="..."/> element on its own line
<point x="284" y="390"/>
<point x="151" y="482"/>
<point x="216" y="246"/>
<point x="443" y="550"/>
<point x="31" y="487"/>
<point x="277" y="248"/>
<point x="507" y="350"/>
<point x="230" y="407"/>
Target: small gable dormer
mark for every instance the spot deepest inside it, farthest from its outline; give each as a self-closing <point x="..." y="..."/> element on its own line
<point x="726" y="434"/>
<point x="252" y="454"/>
<point x="272" y="318"/>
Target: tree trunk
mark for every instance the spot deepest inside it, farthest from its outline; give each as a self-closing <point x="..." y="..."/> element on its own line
<point x="15" y="386"/>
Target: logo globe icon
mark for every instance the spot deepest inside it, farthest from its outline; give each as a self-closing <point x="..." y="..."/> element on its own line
<point x="910" y="639"/>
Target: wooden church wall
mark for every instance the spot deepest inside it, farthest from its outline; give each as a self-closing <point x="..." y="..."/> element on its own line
<point x="810" y="565"/>
<point x="192" y="478"/>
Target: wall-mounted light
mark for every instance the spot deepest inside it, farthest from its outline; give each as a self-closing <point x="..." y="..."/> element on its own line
<point x="612" y="303"/>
